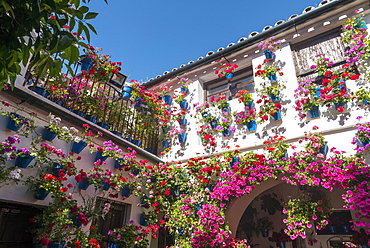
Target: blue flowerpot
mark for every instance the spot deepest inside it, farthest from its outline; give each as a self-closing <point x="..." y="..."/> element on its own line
<point x="137" y="142"/>
<point x="339" y="104"/>
<point x="363" y="143"/>
<point x="314" y="112"/>
<point x="78" y="147"/>
<point x="56" y="245"/>
<point x="151" y="150"/>
<point x="24" y="161"/>
<point x="93" y="119"/>
<point x="79" y="113"/>
<point x="205" y="114"/>
<point x="48" y="135"/>
<point x="86" y="64"/>
<point x="324" y="149"/>
<point x="182" y="89"/>
<point x="142" y="221"/>
<point x="166" y="143"/>
<point x="360" y="23"/>
<point x="252" y="126"/>
<point x="182" y="137"/>
<point x="282" y="245"/>
<point x="229" y="76"/>
<point x="119" y="134"/>
<point x="55" y="169"/>
<point x="233" y="161"/>
<point x="118" y="163"/>
<point x="182" y="121"/>
<point x="40" y="193"/>
<point x="126" y="192"/>
<point x="12" y="125"/>
<point x="333" y="229"/>
<point x="273" y="78"/>
<point x="84" y="184"/>
<point x="129" y="139"/>
<point x="226" y="132"/>
<point x="126" y="95"/>
<point x="127" y="89"/>
<point x="250" y="104"/>
<point x="345" y="229"/>
<point x="213" y="124"/>
<point x="277" y="115"/>
<point x="184" y="104"/>
<point x="135" y="172"/>
<point x="113" y="245"/>
<point x="105" y="186"/>
<point x="99" y="155"/>
<point x="167" y="99"/>
<point x="265" y="233"/>
<point x="268" y="54"/>
<point x="285" y="156"/>
<point x="103" y="125"/>
<point x="75" y="221"/>
<point x="341" y="86"/>
<point x="226" y="108"/>
<point x="40" y="90"/>
<point x="274" y="98"/>
<point x="317" y="92"/>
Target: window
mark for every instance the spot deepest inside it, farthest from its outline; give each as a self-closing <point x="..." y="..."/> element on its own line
<point x="328" y="43"/>
<point x="14" y="221"/>
<point x="118" y="214"/>
<point x="230" y="88"/>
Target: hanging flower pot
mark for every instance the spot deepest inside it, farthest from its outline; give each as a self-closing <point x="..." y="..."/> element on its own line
<point x="213" y="124"/>
<point x="317" y="92"/>
<point x="182" y="121"/>
<point x="24" y="160"/>
<point x="250" y="104"/>
<point x="56" y="245"/>
<point x="39" y="193"/>
<point x="277" y="115"/>
<point x="268" y="54"/>
<point x="324" y="149"/>
<point x="185" y="90"/>
<point x="285" y="156"/>
<point x="126" y="192"/>
<point x="274" y="98"/>
<point x="362" y="142"/>
<point x="86" y="64"/>
<point x="118" y="163"/>
<point x="39" y="90"/>
<point x="182" y="137"/>
<point x="229" y="76"/>
<point x="119" y="134"/>
<point x="282" y="244"/>
<point x="79" y="113"/>
<point x="84" y="184"/>
<point x="126" y="92"/>
<point x="265" y="233"/>
<point x="99" y="155"/>
<point x="142" y="220"/>
<point x="233" y="161"/>
<point x="105" y="186"/>
<point x="139" y="104"/>
<point x="184" y="104"/>
<point x="226" y="108"/>
<point x="273" y="78"/>
<point x="151" y="150"/>
<point x="55" y="169"/>
<point x="333" y="229"/>
<point x="166" y="143"/>
<point x="13" y="124"/>
<point x="252" y="126"/>
<point x="93" y="119"/>
<point x="77" y="147"/>
<point x="75" y="221"/>
<point x="314" y="112"/>
<point x="48" y="135"/>
<point x="340" y="106"/>
<point x="167" y="99"/>
<point x="226" y="132"/>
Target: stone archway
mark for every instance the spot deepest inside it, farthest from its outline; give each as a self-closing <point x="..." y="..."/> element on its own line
<point x="239" y="205"/>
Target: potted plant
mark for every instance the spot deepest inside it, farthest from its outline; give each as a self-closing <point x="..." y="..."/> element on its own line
<point x="226" y="70"/>
<point x="185" y="82"/>
<point x="361" y="238"/>
<point x="245" y="97"/>
<point x="266" y="71"/>
<point x="270" y="203"/>
<point x="308" y="98"/>
<point x="268" y="108"/>
<point x="247" y="117"/>
<point x="269" y="47"/>
<point x="53" y="129"/>
<point x="265" y="225"/>
<point x="280" y="238"/>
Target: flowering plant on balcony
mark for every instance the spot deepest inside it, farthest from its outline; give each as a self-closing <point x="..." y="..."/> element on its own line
<point x="246" y="116"/>
<point x="362" y="96"/>
<point x="314" y="141"/>
<point x="238" y="243"/>
<point x="54" y="123"/>
<point x="307" y="95"/>
<point x="206" y="135"/>
<point x="219" y="101"/>
<point x="279" y="237"/>
<point x="165" y="90"/>
<point x="244" y="96"/>
<point x="362" y="137"/>
<point x="322" y="64"/>
<point x="225" y="69"/>
<point x="270" y="44"/>
<point x="277" y="147"/>
<point x="205" y="114"/>
<point x="267" y="70"/>
<point x="267" y="108"/>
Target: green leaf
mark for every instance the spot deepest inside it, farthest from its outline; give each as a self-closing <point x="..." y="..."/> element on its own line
<point x="8" y="8"/>
<point x="91" y="28"/>
<point x="87" y="33"/>
<point x="72" y="24"/>
<point x="91" y="15"/>
<point x="83" y="9"/>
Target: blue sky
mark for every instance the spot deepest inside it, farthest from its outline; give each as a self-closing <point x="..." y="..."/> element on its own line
<point x="150" y="37"/>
